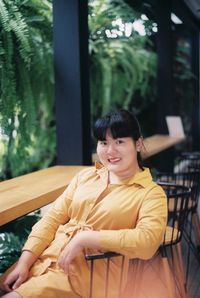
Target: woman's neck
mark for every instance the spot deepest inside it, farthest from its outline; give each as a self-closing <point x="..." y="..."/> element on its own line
<point x="115" y="178"/>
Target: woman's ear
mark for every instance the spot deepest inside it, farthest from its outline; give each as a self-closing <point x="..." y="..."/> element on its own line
<point x="139" y="144"/>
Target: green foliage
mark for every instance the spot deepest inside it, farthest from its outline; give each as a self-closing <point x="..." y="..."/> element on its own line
<point x="27" y="130"/>
<point x="12" y="238"/>
<point x="123" y="69"/>
<point x="10" y="247"/>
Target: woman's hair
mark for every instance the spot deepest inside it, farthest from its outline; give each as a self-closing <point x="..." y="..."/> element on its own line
<point x="121" y="123"/>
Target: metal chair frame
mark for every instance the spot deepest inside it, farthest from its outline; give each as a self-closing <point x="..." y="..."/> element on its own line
<point x="191" y="178"/>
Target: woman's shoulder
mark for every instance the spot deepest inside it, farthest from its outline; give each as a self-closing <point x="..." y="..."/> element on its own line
<point x="155" y="190"/>
<point x="89" y="171"/>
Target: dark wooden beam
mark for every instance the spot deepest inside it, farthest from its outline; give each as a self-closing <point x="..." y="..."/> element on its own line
<point x="70" y="27"/>
<point x="196" y="100"/>
<point x="165" y="57"/>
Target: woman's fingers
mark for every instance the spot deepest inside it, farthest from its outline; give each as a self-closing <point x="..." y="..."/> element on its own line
<point x="15" y="279"/>
<point x="64" y="260"/>
<point x="72" y="250"/>
<point x="9" y="282"/>
<point x="17" y="283"/>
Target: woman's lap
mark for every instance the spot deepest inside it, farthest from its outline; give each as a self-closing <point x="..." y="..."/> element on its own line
<point x="51" y="284"/>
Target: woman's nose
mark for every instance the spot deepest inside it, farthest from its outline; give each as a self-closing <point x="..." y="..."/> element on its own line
<point x="111" y="148"/>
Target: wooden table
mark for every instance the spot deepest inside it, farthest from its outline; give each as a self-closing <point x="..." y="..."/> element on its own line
<point x="21" y="195"/>
<point x="158" y="143"/>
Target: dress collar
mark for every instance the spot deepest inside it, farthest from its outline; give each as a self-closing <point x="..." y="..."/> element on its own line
<point x="142" y="178"/>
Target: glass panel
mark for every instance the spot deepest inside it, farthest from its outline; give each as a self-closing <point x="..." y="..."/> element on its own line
<point x="123" y="61"/>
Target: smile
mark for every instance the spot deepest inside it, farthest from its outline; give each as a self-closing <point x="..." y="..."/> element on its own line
<point x="114" y="160"/>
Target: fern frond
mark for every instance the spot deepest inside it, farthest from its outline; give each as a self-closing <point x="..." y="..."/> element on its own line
<point x="20" y="28"/>
<point x="4" y="16"/>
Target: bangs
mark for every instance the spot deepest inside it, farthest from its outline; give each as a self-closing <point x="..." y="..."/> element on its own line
<point x="100" y="128"/>
<point x="119" y="123"/>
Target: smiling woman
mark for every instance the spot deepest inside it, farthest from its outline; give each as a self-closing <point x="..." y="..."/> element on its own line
<point x="113" y="206"/>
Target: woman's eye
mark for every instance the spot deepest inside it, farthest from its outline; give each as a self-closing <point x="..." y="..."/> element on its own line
<point x="104" y="143"/>
<point x="119" y="141"/>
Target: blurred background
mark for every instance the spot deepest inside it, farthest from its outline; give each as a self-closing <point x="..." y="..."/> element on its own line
<point x="141" y="56"/>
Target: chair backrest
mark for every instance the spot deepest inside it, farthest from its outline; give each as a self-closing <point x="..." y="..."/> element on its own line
<point x="189" y="179"/>
<point x="177" y="199"/>
<point x="107" y="256"/>
<point x="187" y="161"/>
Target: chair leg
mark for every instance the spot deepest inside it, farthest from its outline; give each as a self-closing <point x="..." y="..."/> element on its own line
<point x="179" y="269"/>
<point x="196" y="226"/>
<point x="168" y="277"/>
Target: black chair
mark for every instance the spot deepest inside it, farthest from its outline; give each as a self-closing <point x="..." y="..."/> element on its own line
<point x="178" y="208"/>
<point x="190" y="161"/>
<point x="191" y="231"/>
<point x="189" y="179"/>
<point x="170" y="250"/>
<point x="107" y="256"/>
<point x="187" y="160"/>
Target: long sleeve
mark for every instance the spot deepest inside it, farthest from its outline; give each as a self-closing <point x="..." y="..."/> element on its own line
<point x="143" y="240"/>
<point x="43" y="232"/>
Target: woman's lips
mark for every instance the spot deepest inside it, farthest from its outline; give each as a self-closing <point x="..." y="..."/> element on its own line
<point x="114" y="160"/>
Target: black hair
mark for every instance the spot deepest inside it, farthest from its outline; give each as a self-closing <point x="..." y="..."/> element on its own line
<point x="121" y="123"/>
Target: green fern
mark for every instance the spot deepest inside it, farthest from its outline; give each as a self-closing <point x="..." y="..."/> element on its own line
<point x="10" y="250"/>
<point x="12" y="238"/>
<point x="26" y="86"/>
<point x="4" y="17"/>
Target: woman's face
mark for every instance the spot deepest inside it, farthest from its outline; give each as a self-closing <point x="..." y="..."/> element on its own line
<point x="119" y="155"/>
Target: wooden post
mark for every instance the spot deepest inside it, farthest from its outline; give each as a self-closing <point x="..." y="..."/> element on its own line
<point x="70" y="29"/>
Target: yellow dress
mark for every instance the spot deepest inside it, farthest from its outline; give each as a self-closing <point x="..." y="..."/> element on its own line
<point x="131" y="218"/>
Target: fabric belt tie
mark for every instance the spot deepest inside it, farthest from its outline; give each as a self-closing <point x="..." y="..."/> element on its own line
<point x="74" y="226"/>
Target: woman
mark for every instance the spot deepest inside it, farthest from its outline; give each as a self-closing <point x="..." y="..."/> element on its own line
<point x="114" y="206"/>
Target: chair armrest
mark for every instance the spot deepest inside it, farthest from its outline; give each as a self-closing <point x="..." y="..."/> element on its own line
<point x="105" y="255"/>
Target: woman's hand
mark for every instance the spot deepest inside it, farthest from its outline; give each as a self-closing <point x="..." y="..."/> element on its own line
<point x="73" y="249"/>
<point x="89" y="239"/>
<point x="16" y="277"/>
<point x="20" y="273"/>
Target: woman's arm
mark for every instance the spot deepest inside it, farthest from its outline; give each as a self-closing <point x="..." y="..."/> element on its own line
<point x="43" y="232"/>
<point x="85" y="239"/>
<point x="143" y="240"/>
<point x="41" y="236"/>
